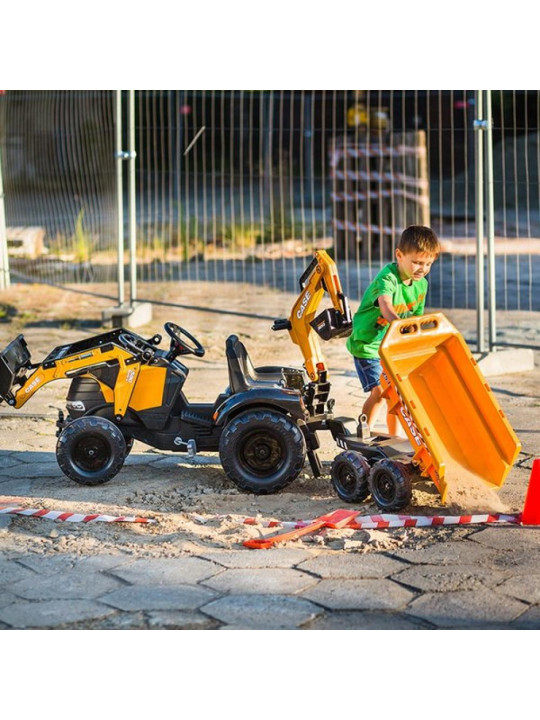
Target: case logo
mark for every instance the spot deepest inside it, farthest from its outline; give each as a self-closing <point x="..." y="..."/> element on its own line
<point x="303" y="305"/>
<point x="35" y="382"/>
<point x="419" y="440"/>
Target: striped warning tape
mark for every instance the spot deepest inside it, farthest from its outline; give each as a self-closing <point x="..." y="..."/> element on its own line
<point x="275" y="523"/>
<point x="373" y="522"/>
<point x="71" y="517"/>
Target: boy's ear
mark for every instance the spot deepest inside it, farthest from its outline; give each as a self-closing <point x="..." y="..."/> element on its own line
<point x="399" y="254"/>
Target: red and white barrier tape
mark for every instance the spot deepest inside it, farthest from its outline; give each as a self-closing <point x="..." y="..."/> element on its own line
<point x="275" y="523"/>
<point x="373" y="522"/>
<point x="370" y="522"/>
<point x="71" y="517"/>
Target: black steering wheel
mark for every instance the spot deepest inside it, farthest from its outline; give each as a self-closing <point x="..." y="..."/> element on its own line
<point x="178" y="345"/>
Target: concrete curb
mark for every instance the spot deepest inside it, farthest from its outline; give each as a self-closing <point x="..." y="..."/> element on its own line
<point x="140" y="313"/>
<point x="504" y="362"/>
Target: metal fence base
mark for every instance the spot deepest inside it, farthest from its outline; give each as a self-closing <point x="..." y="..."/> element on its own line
<point x="504" y="362"/>
<point x="126" y="315"/>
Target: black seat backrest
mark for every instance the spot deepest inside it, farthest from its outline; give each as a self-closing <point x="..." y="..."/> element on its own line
<point x="242" y="373"/>
<point x="237" y="361"/>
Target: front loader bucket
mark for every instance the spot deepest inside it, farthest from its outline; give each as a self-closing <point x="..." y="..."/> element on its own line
<point x="439" y="393"/>
<point x="14" y="360"/>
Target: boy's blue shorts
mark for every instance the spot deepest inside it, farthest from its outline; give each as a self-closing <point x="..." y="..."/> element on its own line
<point x="369" y="371"/>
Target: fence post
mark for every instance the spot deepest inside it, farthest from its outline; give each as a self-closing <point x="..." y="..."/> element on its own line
<point x="119" y="155"/>
<point x="479" y="126"/>
<point x="4" y="258"/>
<point x="132" y="202"/>
<point x="490" y="225"/>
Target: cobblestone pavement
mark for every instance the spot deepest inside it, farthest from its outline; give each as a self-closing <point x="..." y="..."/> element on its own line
<point x="470" y="577"/>
<point x="481" y="578"/>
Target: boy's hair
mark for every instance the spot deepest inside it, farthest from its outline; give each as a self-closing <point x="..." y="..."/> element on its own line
<point x="418" y="238"/>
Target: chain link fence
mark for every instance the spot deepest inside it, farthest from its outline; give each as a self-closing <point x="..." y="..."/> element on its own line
<point x="241" y="186"/>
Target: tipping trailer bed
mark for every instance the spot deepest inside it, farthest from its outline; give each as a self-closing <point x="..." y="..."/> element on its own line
<point x="446" y="407"/>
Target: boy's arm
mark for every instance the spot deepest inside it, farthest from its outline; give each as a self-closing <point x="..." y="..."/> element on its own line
<point x="387" y="309"/>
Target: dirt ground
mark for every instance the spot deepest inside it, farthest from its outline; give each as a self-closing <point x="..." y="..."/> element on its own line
<point x="193" y="502"/>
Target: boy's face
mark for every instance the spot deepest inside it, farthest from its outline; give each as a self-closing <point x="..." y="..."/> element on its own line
<point x="415" y="265"/>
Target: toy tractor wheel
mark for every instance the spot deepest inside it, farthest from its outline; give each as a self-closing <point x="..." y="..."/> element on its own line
<point x="350" y="472"/>
<point x="262" y="451"/>
<point x="91" y="450"/>
<point x="390" y="484"/>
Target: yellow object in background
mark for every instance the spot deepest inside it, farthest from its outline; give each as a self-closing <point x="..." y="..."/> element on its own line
<point x="357" y="115"/>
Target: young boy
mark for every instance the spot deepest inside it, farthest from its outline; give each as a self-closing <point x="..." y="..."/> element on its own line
<point x="398" y="291"/>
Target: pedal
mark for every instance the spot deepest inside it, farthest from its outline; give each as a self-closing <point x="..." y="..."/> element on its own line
<point x="189" y="446"/>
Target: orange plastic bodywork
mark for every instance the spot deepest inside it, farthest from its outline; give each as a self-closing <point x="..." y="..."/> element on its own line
<point x="149" y="388"/>
<point x="446" y="407"/>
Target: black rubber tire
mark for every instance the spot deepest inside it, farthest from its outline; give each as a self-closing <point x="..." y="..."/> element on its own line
<point x="262" y="451"/>
<point x="91" y="450"/>
<point x="390" y="484"/>
<point x="350" y="472"/>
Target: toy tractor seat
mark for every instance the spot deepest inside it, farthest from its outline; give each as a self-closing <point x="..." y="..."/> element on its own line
<point x="244" y="376"/>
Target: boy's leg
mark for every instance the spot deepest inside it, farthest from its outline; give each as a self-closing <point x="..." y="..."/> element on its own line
<point x="392" y="424"/>
<point x="371" y="409"/>
<point x="369" y="373"/>
<point x="373" y="405"/>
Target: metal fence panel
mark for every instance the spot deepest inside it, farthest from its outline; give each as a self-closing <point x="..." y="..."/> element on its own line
<point x="242" y="185"/>
<point x="58" y="161"/>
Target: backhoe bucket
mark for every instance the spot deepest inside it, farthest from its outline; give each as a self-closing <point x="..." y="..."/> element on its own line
<point x="445" y="405"/>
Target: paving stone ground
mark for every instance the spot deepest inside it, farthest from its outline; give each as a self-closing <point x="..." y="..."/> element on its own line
<point x="452" y="578"/>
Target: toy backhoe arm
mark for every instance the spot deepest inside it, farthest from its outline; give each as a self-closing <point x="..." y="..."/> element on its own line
<point x="303" y="325"/>
<point x="15" y="362"/>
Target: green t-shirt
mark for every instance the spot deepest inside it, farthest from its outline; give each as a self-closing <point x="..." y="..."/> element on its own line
<point x="369" y="326"/>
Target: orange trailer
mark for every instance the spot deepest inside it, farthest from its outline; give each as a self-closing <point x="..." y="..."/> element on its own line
<point x="453" y="422"/>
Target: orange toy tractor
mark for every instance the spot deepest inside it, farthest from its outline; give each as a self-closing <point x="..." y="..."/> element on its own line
<point x="125" y="387"/>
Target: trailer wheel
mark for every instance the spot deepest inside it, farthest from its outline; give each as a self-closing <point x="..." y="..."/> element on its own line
<point x="350" y="471"/>
<point x="390" y="484"/>
<point x="262" y="451"/>
<point x="91" y="450"/>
